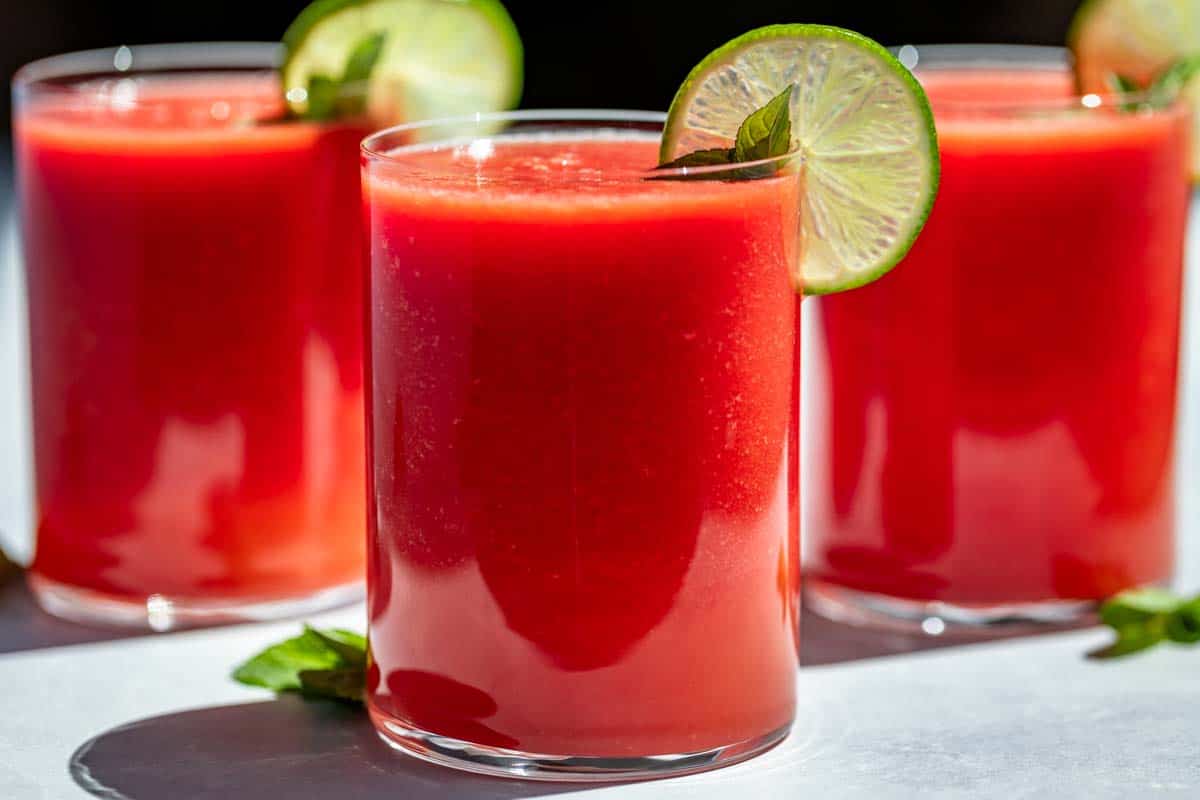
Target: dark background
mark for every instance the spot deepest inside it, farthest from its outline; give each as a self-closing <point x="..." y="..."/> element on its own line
<point x="598" y="53"/>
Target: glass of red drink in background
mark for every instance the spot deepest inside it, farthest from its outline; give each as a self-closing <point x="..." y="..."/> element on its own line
<point x="995" y="421"/>
<point x="195" y="331"/>
<point x="582" y="439"/>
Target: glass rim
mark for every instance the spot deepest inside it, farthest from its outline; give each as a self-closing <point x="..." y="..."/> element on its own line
<point x="580" y="117"/>
<point x="63" y="72"/>
<point x="1024" y="58"/>
<point x="1030" y="56"/>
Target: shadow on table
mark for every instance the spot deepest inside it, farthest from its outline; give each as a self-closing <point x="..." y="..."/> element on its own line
<point x="285" y="748"/>
<point x="24" y="626"/>
<point x="824" y="641"/>
<point x="304" y="750"/>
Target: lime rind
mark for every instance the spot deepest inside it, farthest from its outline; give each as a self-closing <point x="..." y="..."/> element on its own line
<point x="1155" y="30"/>
<point x="863" y="130"/>
<point x="440" y="58"/>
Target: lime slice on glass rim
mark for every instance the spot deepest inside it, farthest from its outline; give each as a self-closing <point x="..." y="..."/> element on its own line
<point x="1137" y="39"/>
<point x="436" y="58"/>
<point x="861" y="128"/>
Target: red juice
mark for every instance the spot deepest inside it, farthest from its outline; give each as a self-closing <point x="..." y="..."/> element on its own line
<point x="583" y="431"/>
<point x="195" y="317"/>
<point x="999" y="412"/>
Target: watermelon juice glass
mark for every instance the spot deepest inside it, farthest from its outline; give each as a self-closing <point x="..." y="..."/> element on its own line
<point x="995" y="435"/>
<point x="582" y="437"/>
<point x="193" y="269"/>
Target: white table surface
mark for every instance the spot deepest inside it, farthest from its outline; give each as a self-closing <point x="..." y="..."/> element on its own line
<point x="149" y="717"/>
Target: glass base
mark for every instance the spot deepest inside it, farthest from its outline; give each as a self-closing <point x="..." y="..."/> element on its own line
<point x="160" y="613"/>
<point x="503" y="763"/>
<point x="935" y="618"/>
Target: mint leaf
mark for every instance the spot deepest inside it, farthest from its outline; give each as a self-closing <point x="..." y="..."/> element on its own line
<point x="362" y="58"/>
<point x="1122" y="84"/>
<point x="1138" y="605"/>
<point x="352" y="93"/>
<point x="1130" y="639"/>
<point x="347" y="683"/>
<point x="767" y="132"/>
<point x="1162" y="92"/>
<point x="345" y="96"/>
<point x="1183" y="625"/>
<point x="322" y="98"/>
<point x="701" y="158"/>
<point x="350" y="647"/>
<point x="1176" y="76"/>
<point x="322" y="663"/>
<point x="1144" y="617"/>
<point x="1191" y="610"/>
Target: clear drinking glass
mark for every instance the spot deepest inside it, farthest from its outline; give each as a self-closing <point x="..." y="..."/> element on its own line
<point x="995" y="421"/>
<point x="582" y="436"/>
<point x="195" y="334"/>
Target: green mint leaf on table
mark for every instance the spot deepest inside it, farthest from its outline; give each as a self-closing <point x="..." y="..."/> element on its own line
<point x="1183" y="626"/>
<point x="317" y="663"/>
<point x="332" y="98"/>
<point x="1138" y="606"/>
<point x="350" y="647"/>
<point x="1130" y="639"/>
<point x="1142" y="618"/>
<point x="347" y="683"/>
<point x="765" y="134"/>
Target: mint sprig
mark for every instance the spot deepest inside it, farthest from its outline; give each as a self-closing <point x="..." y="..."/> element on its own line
<point x="344" y="96"/>
<point x="1161" y="92"/>
<point x="318" y="663"/>
<point x="702" y="158"/>
<point x="766" y="133"/>
<point x="1122" y="84"/>
<point x="1143" y="618"/>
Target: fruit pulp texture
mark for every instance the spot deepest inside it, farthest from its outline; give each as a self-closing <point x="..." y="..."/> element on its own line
<point x="195" y="331"/>
<point x="998" y="415"/>
<point x="583" y="431"/>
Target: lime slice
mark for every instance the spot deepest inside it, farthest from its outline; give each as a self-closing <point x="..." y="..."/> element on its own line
<point x="863" y="130"/>
<point x="1136" y="39"/>
<point x="439" y="58"/>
